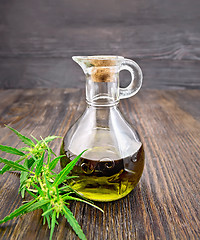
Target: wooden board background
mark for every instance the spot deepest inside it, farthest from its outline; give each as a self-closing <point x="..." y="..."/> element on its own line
<point x="38" y="39"/>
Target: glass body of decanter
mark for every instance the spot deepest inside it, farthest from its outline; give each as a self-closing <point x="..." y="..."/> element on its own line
<point x="113" y="163"/>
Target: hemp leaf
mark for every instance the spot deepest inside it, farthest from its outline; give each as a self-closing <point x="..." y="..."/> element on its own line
<point x="49" y="191"/>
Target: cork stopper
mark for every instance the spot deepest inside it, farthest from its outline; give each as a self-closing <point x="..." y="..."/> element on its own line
<point x="102" y="62"/>
<point x="103" y="70"/>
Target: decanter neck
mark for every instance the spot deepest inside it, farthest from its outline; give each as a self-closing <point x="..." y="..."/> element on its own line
<point x="100" y="115"/>
<point x="102" y="79"/>
<point x="102" y="93"/>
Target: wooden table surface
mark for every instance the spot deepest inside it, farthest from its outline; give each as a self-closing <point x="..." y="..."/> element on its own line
<point x="165" y="203"/>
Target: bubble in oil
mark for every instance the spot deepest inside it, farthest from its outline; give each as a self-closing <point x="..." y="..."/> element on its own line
<point x="87" y="168"/>
<point x="107" y="162"/>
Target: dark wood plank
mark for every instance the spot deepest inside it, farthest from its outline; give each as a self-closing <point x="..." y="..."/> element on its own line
<point x="164" y="205"/>
<point x="63" y="72"/>
<point x="141" y="28"/>
<point x="37" y="37"/>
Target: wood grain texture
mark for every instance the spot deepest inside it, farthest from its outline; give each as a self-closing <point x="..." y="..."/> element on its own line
<point x="37" y="39"/>
<point x="164" y="205"/>
<point x="145" y="28"/>
<point x="52" y="73"/>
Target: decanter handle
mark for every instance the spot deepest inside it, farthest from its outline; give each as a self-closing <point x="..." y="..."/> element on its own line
<point x="136" y="79"/>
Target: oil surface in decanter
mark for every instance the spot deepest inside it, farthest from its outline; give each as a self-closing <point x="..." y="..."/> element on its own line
<point x="103" y="175"/>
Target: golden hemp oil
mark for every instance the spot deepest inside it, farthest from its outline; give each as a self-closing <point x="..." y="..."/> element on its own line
<point x="104" y="180"/>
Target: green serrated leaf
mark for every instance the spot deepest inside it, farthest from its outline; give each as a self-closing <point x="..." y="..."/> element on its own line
<point x="44" y="220"/>
<point x="63" y="174"/>
<point x="14" y="165"/>
<point x="30" y="193"/>
<point x="49" y="156"/>
<point x="23" y="138"/>
<point x="51" y="138"/>
<point x="39" y="166"/>
<point x="71" y="177"/>
<point x="73" y="222"/>
<point x="47" y="183"/>
<point x="44" y="209"/>
<point x="48" y="221"/>
<point x="30" y="162"/>
<point x="57" y="193"/>
<point x="66" y="186"/>
<point x="4" y="169"/>
<point x="23" y="178"/>
<point x="36" y="159"/>
<point x="68" y="198"/>
<point x="49" y="151"/>
<point x="70" y="190"/>
<point x="37" y="205"/>
<point x="54" y="162"/>
<point x="37" y="141"/>
<point x="11" y="150"/>
<point x="22" y="191"/>
<point x="33" y="166"/>
<point x="48" y="194"/>
<point x="25" y="149"/>
<point x="38" y="189"/>
<point x="52" y="152"/>
<point x="7" y="168"/>
<point x="22" y="209"/>
<point x="53" y="223"/>
<point x="48" y="211"/>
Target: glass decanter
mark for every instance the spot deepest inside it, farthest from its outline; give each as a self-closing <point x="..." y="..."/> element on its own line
<point x="114" y="161"/>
